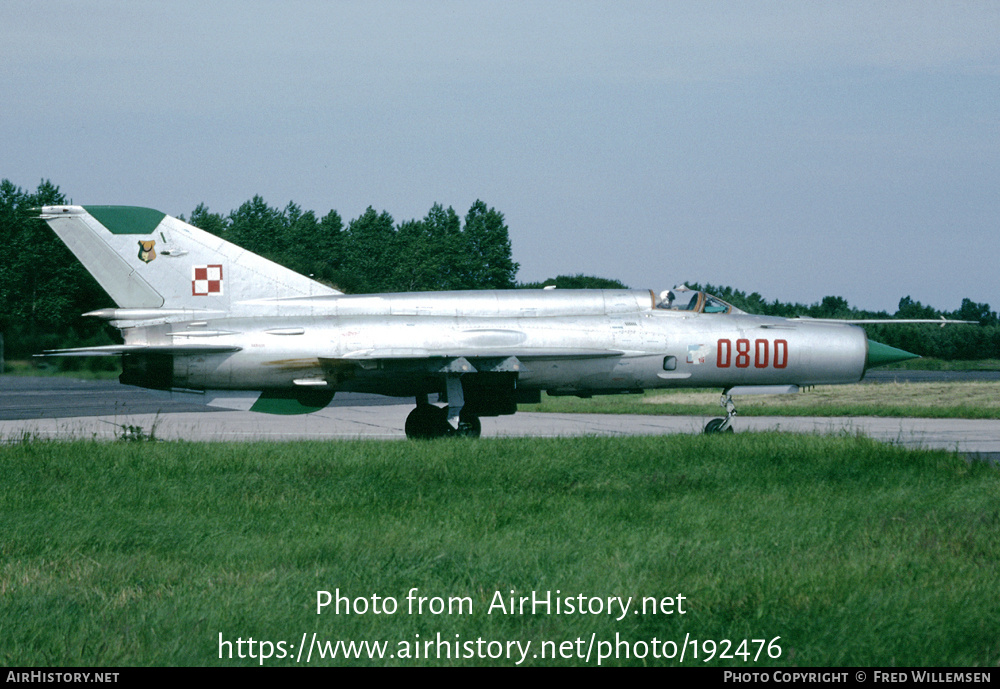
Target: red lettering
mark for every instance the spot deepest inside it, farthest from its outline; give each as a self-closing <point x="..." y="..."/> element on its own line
<point x="780" y="353"/>
<point x="742" y="353"/>
<point x="760" y="360"/>
<point x="727" y="347"/>
<point x="761" y="353"/>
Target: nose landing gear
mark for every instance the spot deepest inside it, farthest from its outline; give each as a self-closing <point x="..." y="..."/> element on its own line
<point x="723" y="425"/>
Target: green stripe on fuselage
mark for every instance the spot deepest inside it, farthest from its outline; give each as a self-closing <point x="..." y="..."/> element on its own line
<point x="126" y="219"/>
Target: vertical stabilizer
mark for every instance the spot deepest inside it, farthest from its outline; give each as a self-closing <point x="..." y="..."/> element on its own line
<point x="146" y="259"/>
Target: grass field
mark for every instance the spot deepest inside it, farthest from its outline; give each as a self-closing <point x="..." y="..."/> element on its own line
<point x="852" y="552"/>
<point x="965" y="400"/>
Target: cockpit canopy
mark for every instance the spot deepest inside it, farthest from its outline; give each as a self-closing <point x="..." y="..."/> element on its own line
<point x="686" y="299"/>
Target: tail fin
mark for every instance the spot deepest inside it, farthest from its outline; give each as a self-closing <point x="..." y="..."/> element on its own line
<point x="146" y="259"/>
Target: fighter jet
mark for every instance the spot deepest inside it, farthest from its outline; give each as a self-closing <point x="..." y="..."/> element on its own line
<point x="199" y="314"/>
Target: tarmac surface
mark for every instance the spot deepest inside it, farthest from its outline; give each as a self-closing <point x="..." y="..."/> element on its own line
<point x="37" y="397"/>
<point x="27" y="397"/>
<point x="66" y="409"/>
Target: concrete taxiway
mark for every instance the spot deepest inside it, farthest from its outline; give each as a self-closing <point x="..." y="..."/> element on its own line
<point x="66" y="409"/>
<point x="973" y="438"/>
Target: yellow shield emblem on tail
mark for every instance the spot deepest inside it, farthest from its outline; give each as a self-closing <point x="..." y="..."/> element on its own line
<point x="146" y="252"/>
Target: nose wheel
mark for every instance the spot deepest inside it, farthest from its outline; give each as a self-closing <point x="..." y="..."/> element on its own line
<point x="723" y="425"/>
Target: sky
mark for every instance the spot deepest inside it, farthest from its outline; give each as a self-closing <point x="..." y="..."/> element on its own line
<point x="795" y="149"/>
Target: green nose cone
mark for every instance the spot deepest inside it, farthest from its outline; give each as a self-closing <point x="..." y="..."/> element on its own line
<point x="880" y="355"/>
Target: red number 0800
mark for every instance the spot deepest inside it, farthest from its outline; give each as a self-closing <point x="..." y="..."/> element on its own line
<point x="759" y="353"/>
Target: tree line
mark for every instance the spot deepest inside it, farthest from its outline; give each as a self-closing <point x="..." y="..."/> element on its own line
<point x="373" y="253"/>
<point x="44" y="289"/>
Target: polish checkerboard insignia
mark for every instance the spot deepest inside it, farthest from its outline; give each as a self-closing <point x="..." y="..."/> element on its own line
<point x="207" y="280"/>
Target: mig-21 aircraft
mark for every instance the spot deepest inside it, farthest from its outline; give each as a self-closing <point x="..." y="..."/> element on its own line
<point x="200" y="314"/>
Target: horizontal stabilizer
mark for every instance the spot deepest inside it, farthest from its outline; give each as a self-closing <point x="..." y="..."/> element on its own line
<point x="113" y="350"/>
<point x="150" y="314"/>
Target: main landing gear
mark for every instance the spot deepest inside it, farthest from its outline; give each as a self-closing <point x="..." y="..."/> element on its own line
<point x="723" y="425"/>
<point x="429" y="421"/>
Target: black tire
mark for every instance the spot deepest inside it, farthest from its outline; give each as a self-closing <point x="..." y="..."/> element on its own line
<point x="426" y="422"/>
<point x="715" y="426"/>
<point x="469" y="426"/>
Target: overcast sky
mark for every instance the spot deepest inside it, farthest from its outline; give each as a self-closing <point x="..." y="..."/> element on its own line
<point x="794" y="149"/>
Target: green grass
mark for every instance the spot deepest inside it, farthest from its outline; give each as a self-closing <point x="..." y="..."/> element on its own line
<point x="966" y="400"/>
<point x="852" y="552"/>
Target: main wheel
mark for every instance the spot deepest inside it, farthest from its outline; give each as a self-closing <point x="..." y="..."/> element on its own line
<point x="469" y="426"/>
<point x="427" y="421"/>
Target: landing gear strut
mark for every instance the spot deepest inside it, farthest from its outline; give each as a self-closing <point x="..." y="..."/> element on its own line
<point x="723" y="425"/>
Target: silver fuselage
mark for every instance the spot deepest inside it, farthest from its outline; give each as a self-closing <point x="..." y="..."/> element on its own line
<point x="565" y="342"/>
